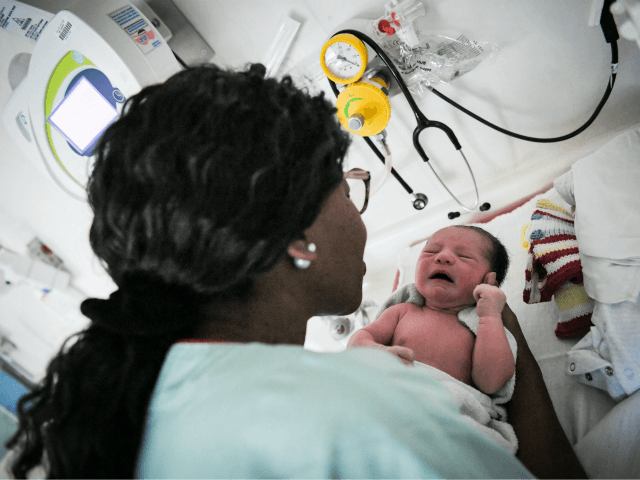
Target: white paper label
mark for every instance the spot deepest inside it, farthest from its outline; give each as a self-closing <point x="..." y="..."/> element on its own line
<point x="143" y="34"/>
<point x="23" y="20"/>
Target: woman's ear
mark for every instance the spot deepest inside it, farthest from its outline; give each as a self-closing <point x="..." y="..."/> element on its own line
<point x="301" y="249"/>
<point x="490" y="279"/>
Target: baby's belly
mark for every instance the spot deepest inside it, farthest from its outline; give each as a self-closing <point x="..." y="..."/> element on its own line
<point x="445" y="346"/>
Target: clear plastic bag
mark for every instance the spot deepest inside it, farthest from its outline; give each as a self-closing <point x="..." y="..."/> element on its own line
<point x="436" y="60"/>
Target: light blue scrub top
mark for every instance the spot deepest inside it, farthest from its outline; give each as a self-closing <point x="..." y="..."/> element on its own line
<point x="262" y="411"/>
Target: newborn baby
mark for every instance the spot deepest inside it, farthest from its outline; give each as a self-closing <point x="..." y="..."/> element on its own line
<point x="459" y="267"/>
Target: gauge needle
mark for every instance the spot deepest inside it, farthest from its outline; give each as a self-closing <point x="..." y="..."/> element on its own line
<point x="340" y="57"/>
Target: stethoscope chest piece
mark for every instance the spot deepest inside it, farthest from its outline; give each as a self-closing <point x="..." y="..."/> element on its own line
<point x="420" y="201"/>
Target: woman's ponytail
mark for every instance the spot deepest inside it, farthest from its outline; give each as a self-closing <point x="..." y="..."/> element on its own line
<point x="88" y="413"/>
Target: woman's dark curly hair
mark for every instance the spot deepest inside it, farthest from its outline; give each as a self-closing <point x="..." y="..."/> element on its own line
<point x="197" y="190"/>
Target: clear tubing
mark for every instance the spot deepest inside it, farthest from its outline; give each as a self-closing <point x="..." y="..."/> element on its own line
<point x="388" y="165"/>
<point x="385" y="175"/>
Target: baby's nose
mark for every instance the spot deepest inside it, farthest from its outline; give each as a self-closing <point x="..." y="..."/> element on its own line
<point x="444" y="257"/>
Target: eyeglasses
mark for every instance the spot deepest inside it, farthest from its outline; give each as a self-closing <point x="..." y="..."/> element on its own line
<point x="359" y="181"/>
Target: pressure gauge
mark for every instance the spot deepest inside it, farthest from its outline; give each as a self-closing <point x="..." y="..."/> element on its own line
<point x="344" y="58"/>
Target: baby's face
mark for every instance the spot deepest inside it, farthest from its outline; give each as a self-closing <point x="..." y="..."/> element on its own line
<point x="451" y="265"/>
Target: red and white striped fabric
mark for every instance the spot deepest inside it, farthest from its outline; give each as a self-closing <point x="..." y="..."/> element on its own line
<point x="554" y="269"/>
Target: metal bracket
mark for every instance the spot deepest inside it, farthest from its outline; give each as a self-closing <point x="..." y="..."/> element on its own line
<point x="186" y="42"/>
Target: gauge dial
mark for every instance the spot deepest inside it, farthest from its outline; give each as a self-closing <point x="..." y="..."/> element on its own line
<point x="344" y="58"/>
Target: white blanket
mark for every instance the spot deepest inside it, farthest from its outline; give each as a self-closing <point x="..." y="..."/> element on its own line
<point x="603" y="189"/>
<point x="480" y="411"/>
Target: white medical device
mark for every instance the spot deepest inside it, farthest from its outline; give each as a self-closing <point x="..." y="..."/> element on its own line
<point x="87" y="61"/>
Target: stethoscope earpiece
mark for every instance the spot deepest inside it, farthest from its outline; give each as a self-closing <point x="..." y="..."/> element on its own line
<point x="483" y="208"/>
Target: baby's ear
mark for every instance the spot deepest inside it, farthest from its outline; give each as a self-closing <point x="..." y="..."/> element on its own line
<point x="490" y="279"/>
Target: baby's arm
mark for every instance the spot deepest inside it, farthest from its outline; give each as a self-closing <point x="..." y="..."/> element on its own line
<point x="492" y="363"/>
<point x="380" y="333"/>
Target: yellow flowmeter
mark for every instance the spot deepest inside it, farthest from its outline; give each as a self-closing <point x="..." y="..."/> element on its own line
<point x="363" y="106"/>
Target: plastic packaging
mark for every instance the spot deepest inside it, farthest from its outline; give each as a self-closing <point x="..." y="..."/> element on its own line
<point x="424" y="59"/>
<point x="398" y="19"/>
<point x="436" y="60"/>
<point x="280" y="46"/>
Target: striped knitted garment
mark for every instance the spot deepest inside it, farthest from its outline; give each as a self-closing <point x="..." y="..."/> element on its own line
<point x="554" y="269"/>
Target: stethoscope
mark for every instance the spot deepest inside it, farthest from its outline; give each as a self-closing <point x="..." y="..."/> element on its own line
<point x="420" y="200"/>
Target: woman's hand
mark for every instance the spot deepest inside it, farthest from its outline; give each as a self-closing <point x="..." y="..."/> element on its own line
<point x="543" y="446"/>
<point x="510" y="321"/>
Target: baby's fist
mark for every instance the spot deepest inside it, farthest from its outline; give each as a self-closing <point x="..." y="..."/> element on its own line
<point x="490" y="300"/>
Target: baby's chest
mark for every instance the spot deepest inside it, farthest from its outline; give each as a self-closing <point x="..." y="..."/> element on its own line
<point x="433" y="330"/>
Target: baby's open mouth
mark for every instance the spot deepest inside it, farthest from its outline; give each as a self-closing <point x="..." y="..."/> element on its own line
<point x="441" y="276"/>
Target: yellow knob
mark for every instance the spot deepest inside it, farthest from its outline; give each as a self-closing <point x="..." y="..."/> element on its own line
<point x="364" y="105"/>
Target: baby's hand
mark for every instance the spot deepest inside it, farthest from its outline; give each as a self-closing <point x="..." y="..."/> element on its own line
<point x="490" y="300"/>
<point x="403" y="353"/>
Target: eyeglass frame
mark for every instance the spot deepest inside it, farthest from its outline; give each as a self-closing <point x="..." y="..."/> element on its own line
<point x="364" y="175"/>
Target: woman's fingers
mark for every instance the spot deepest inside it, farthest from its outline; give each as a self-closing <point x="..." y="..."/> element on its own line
<point x="405" y="354"/>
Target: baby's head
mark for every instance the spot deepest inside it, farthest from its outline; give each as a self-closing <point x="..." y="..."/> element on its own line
<point x="454" y="261"/>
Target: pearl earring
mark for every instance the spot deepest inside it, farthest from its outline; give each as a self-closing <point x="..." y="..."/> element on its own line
<point x="301" y="263"/>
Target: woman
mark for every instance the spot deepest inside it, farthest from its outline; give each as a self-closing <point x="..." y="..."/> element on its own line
<point x="222" y="215"/>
